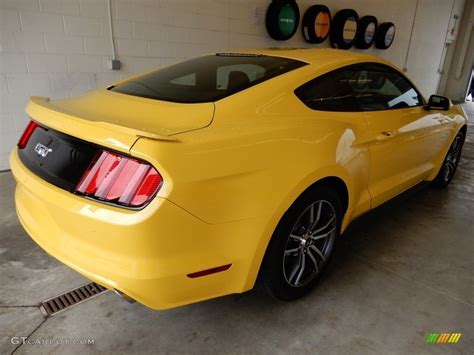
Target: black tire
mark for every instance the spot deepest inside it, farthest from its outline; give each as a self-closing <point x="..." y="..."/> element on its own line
<point x="337" y="29"/>
<point x="309" y="24"/>
<point x="450" y="162"/>
<point x="273" y="15"/>
<point x="380" y="42"/>
<point x="277" y="273"/>
<point x="366" y="32"/>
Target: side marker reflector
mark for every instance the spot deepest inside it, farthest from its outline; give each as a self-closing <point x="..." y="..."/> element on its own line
<point x="209" y="271"/>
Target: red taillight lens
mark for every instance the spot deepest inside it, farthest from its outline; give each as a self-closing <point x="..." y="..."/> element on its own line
<point x="119" y="179"/>
<point x="25" y="137"/>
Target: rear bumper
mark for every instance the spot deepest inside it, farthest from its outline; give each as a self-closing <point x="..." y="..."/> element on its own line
<point x="145" y="254"/>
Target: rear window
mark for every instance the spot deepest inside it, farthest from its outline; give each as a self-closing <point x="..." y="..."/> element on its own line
<point x="207" y="78"/>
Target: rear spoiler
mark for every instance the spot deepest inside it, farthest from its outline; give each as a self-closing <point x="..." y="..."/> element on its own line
<point x="38" y="104"/>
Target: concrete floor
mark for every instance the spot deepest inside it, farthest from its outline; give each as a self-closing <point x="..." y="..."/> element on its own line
<point x="401" y="272"/>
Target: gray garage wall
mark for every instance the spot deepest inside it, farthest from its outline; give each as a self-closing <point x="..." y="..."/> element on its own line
<point x="58" y="48"/>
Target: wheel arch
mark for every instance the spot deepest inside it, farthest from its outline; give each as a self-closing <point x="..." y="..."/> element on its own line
<point x="335" y="183"/>
<point x="339" y="182"/>
<point x="439" y="161"/>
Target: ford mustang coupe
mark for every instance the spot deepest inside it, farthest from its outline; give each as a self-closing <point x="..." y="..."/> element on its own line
<point x="198" y="179"/>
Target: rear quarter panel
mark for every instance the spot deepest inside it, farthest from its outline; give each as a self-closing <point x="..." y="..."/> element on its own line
<point x="251" y="160"/>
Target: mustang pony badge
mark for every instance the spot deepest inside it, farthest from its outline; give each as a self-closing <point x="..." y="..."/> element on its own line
<point x="42" y="150"/>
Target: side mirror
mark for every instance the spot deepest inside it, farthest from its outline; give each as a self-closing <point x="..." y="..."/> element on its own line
<point x="437" y="102"/>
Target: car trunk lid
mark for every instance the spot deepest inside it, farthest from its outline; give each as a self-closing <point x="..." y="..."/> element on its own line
<point x="116" y="120"/>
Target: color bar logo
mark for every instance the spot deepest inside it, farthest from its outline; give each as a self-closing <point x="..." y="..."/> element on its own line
<point x="443" y="338"/>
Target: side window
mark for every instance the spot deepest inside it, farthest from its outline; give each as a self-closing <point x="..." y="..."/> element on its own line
<point x="380" y="88"/>
<point x="329" y="92"/>
<point x="188" y="80"/>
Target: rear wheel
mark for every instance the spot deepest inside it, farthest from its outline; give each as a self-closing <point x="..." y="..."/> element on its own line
<point x="450" y="163"/>
<point x="302" y="245"/>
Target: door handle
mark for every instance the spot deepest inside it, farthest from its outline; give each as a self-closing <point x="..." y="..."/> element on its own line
<point x="382" y="136"/>
<point x="440" y="118"/>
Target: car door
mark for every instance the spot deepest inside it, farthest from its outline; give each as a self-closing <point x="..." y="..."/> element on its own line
<point x="332" y="99"/>
<point x="404" y="139"/>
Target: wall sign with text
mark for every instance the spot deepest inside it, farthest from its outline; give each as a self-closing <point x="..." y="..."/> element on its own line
<point x="282" y="19"/>
<point x="385" y="35"/>
<point x="344" y="30"/>
<point x="316" y="24"/>
<point x="366" y="34"/>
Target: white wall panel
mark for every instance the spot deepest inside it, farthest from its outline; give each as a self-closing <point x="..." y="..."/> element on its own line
<point x="429" y="34"/>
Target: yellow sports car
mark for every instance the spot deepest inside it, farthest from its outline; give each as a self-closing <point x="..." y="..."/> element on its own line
<point x="195" y="180"/>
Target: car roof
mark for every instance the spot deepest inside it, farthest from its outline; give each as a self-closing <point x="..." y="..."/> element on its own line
<point x="314" y="55"/>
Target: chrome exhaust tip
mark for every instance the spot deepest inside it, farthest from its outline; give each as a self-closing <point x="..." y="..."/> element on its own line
<point x="124" y="296"/>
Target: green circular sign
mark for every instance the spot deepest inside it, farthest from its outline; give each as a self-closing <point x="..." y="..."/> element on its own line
<point x="287" y="20"/>
<point x="282" y="19"/>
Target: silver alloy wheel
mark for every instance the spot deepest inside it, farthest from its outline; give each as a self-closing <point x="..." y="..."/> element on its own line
<point x="452" y="157"/>
<point x="310" y="243"/>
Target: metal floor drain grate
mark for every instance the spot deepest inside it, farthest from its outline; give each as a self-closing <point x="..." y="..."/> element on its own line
<point x="64" y="301"/>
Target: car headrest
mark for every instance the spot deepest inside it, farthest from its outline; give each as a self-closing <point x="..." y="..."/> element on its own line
<point x="237" y="79"/>
<point x="376" y="81"/>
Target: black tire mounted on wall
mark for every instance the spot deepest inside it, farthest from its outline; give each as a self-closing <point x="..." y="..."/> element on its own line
<point x="380" y="42"/>
<point x="309" y="23"/>
<point x="337" y="28"/>
<point x="272" y="19"/>
<point x="272" y="274"/>
<point x="361" y="39"/>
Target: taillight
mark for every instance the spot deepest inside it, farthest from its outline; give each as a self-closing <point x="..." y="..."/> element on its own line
<point x="120" y="180"/>
<point x="25" y="137"/>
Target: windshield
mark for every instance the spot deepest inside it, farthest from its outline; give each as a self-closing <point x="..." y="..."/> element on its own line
<point x="207" y="78"/>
